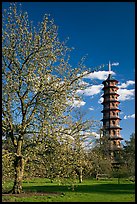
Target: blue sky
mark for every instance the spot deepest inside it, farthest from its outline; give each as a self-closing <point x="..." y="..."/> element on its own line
<point x="105" y="31"/>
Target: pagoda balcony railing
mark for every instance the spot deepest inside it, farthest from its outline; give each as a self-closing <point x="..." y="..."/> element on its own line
<point x="110" y="99"/>
<point x="111" y="108"/>
<point x="110" y="92"/>
<point x="112" y="126"/>
<point x="114" y="137"/>
<point x="114" y="100"/>
<point x="110" y="86"/>
<point x="111" y="117"/>
<point x="114" y="116"/>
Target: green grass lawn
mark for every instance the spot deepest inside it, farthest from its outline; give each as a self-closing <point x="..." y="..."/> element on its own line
<point x="88" y="191"/>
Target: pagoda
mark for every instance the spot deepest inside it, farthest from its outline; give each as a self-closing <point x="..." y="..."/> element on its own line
<point x="111" y="120"/>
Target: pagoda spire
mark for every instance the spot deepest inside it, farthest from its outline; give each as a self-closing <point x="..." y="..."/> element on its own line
<point x="109" y="67"/>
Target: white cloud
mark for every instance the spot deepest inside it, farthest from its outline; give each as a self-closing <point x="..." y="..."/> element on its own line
<point x="115" y="64"/>
<point x="91" y="108"/>
<point x="101" y="75"/>
<point x="95" y="134"/>
<point x="129" y="116"/>
<point x="87" y="134"/>
<point x="125" y="94"/>
<point x="83" y="83"/>
<point x="121" y="113"/>
<point x="78" y="103"/>
<point x="89" y="138"/>
<point x="100" y="100"/>
<point x="125" y="85"/>
<point x="92" y="90"/>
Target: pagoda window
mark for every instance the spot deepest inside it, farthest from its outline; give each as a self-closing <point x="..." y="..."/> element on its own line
<point x="113" y="113"/>
<point x="114" y="154"/>
<point x="113" y="122"/>
<point x="114" y="132"/>
<point x="118" y="143"/>
<point x="114" y="142"/>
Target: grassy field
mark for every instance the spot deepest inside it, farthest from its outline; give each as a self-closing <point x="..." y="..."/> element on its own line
<point x="41" y="190"/>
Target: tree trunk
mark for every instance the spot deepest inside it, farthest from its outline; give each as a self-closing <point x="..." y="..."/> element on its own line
<point x="19" y="169"/>
<point x="80" y="175"/>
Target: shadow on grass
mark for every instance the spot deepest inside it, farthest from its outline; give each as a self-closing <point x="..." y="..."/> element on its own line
<point x="99" y="188"/>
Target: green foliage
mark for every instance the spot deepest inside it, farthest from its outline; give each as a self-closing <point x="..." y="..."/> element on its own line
<point x="7" y="166"/>
<point x="127" y="161"/>
<point x="129" y="155"/>
<point x="101" y="163"/>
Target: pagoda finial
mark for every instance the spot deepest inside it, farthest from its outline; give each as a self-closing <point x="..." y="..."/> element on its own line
<point x="109" y="67"/>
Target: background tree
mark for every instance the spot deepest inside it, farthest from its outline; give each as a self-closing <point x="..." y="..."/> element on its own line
<point x="63" y="155"/>
<point x="100" y="164"/>
<point x="129" y="156"/>
<point x="126" y="167"/>
<point x="100" y="157"/>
